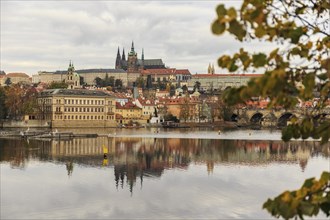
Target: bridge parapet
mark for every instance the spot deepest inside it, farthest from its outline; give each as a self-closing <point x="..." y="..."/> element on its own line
<point x="271" y="117"/>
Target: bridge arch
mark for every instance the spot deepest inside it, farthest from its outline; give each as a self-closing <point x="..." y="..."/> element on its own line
<point x="283" y="120"/>
<point x="234" y="117"/>
<point x="319" y="118"/>
<point x="256" y="118"/>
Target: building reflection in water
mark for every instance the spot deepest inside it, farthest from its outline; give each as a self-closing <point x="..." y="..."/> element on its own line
<point x="136" y="158"/>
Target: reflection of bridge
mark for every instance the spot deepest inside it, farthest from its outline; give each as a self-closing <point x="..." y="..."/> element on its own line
<point x="273" y="117"/>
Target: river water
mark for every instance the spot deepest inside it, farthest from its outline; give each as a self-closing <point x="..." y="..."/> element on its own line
<point x="154" y="174"/>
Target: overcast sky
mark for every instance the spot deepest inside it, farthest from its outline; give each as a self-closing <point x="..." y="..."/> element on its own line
<point x="46" y="35"/>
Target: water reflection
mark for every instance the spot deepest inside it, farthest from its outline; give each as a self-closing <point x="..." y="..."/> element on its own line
<point x="134" y="159"/>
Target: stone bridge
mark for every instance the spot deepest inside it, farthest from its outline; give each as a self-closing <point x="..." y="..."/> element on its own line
<point x="272" y="117"/>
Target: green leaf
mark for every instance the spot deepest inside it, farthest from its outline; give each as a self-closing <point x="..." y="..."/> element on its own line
<point x="232" y="13"/>
<point x="218" y="28"/>
<point x="325" y="177"/>
<point x="325" y="207"/>
<point x="322" y="76"/>
<point x="223" y="61"/>
<point x="260" y="31"/>
<point x="221" y="11"/>
<point x="232" y="67"/>
<point x="237" y="29"/>
<point x="259" y="59"/>
<point x="296" y="34"/>
<point x="306" y="208"/>
<point x="308" y="183"/>
<point x="273" y="53"/>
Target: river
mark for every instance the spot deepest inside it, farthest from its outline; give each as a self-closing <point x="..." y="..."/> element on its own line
<point x="154" y="174"/>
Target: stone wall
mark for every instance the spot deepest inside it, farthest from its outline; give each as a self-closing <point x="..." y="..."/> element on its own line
<point x="82" y="124"/>
<point x="25" y="124"/>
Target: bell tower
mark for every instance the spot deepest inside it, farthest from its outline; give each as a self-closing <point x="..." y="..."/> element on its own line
<point x="132" y="60"/>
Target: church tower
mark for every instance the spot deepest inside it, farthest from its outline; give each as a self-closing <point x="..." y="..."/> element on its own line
<point x="123" y="58"/>
<point x="118" y="60"/>
<point x="141" y="67"/>
<point x="72" y="77"/>
<point x="132" y="60"/>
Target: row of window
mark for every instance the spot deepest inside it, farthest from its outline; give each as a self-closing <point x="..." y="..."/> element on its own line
<point x="83" y="117"/>
<point x="85" y="102"/>
<point x="76" y="109"/>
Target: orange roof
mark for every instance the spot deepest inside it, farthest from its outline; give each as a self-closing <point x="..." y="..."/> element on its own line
<point x="182" y="71"/>
<point x="17" y="75"/>
<point x="146" y="102"/>
<point x="168" y="71"/>
<point x="223" y="75"/>
<point x="128" y="105"/>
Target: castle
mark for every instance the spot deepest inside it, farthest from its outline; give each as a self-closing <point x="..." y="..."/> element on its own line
<point x="133" y="64"/>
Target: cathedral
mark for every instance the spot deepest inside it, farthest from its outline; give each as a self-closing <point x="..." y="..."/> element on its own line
<point x="133" y="64"/>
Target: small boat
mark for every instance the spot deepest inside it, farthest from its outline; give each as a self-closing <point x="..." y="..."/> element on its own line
<point x="172" y="124"/>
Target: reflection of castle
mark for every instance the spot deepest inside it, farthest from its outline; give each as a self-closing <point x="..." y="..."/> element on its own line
<point x="134" y="159"/>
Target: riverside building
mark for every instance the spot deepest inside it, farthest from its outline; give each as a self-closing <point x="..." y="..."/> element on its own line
<point x="77" y="108"/>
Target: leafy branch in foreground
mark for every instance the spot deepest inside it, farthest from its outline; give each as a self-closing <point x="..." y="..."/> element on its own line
<point x="313" y="196"/>
<point x="297" y="71"/>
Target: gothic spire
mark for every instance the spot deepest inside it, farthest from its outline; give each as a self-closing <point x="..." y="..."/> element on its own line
<point x="142" y="54"/>
<point x="118" y="54"/>
<point x="123" y="56"/>
<point x="132" y="48"/>
<point x="118" y="59"/>
<point x="209" y="69"/>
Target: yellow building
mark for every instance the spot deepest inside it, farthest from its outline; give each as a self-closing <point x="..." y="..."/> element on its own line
<point x="220" y="81"/>
<point x="128" y="113"/>
<point x="77" y="108"/>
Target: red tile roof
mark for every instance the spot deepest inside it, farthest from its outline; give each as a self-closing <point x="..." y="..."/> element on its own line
<point x="127" y="105"/>
<point x="17" y="75"/>
<point x="169" y="71"/>
<point x="223" y="75"/>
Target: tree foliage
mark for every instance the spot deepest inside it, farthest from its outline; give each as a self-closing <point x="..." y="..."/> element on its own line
<point x="8" y="81"/>
<point x="295" y="71"/>
<point x="185" y="108"/>
<point x="20" y="101"/>
<point x="58" y="85"/>
<point x="3" y="108"/>
<point x="313" y="196"/>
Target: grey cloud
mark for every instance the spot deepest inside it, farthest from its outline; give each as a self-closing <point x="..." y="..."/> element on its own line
<point x="49" y="34"/>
